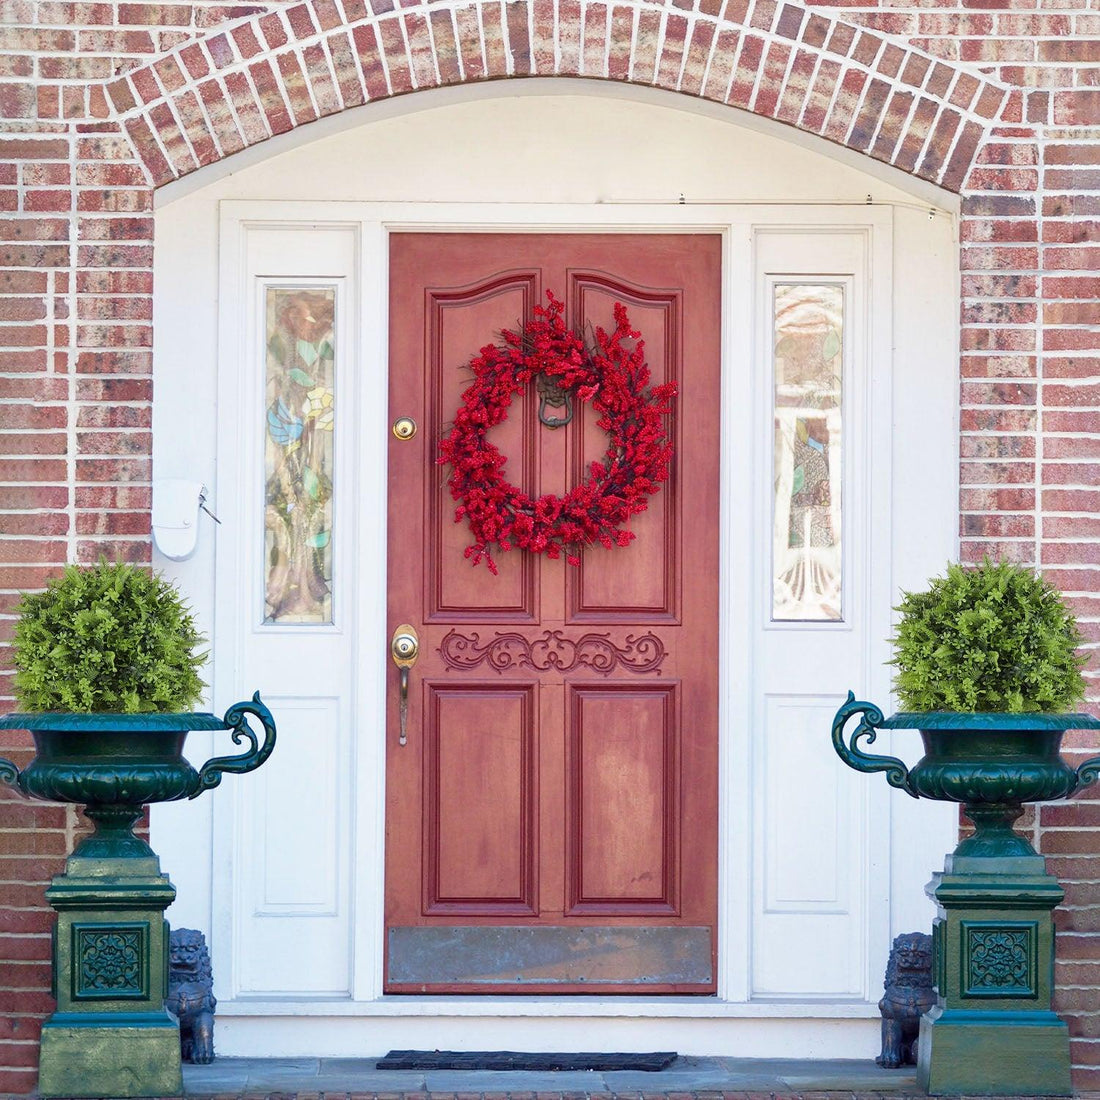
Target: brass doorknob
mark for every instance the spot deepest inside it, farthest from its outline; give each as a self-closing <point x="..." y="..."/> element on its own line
<point x="404" y="649"/>
<point x="404" y="646"/>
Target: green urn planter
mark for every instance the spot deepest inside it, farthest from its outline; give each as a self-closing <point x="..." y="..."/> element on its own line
<point x="112" y="1034"/>
<point x="992" y="1030"/>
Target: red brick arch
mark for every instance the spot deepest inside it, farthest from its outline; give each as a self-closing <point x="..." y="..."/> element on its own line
<point x="278" y="70"/>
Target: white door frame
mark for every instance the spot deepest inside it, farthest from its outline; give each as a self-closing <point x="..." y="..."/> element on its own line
<point x="737" y="225"/>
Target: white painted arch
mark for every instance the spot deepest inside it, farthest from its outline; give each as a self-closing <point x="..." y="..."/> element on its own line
<point x="631" y="150"/>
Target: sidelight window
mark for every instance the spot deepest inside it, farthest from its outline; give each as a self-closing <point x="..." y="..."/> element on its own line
<point x="808" y="357"/>
<point x="299" y="389"/>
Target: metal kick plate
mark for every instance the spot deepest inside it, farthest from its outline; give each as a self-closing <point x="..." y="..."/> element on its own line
<point x="520" y="955"/>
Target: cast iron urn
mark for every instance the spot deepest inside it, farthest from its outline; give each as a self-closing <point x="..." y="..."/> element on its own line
<point x="991" y="1030"/>
<point x="112" y="1034"/>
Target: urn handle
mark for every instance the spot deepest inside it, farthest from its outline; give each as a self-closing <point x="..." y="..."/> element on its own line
<point x="1087" y="773"/>
<point x="210" y="775"/>
<point x="9" y="774"/>
<point x="897" y="774"/>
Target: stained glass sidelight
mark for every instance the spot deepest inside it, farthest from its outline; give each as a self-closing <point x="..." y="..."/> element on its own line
<point x="808" y="332"/>
<point x="298" y="453"/>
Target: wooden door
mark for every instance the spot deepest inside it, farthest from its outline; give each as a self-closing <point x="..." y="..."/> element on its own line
<point x="551" y="823"/>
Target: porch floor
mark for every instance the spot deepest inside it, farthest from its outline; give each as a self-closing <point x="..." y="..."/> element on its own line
<point x="704" y="1078"/>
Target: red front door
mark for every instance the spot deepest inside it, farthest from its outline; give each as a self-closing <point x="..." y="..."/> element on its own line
<point x="551" y="822"/>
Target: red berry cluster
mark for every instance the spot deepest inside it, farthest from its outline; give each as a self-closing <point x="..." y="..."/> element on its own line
<point x="612" y="378"/>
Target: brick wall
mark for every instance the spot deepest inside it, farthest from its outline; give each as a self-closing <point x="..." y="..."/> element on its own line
<point x="102" y="101"/>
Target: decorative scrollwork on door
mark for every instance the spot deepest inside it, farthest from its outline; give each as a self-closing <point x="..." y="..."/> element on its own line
<point x="637" y="653"/>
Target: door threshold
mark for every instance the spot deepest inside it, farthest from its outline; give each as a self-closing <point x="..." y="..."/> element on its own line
<point x="592" y="1005"/>
<point x="304" y="1029"/>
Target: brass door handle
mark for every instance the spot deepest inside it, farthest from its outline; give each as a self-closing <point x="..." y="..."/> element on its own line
<point x="404" y="649"/>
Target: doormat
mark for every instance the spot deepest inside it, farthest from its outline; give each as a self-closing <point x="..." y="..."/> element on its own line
<point x="517" y="1060"/>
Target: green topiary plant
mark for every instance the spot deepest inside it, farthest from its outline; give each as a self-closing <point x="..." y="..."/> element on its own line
<point x="991" y="637"/>
<point x="107" y="637"/>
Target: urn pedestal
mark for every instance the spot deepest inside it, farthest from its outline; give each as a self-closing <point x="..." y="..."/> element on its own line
<point x="112" y="1035"/>
<point x="992" y="1031"/>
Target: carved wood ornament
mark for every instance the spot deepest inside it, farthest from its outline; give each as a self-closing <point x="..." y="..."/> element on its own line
<point x="552" y="650"/>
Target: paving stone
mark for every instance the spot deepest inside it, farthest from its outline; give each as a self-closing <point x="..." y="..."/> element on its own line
<point x="904" y="1082"/>
<point x="368" y="1083"/>
<point x="634" y="1083"/>
<point x="585" y="1081"/>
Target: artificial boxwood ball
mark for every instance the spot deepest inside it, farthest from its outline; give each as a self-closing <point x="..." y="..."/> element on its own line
<point x="107" y="638"/>
<point x="992" y="637"/>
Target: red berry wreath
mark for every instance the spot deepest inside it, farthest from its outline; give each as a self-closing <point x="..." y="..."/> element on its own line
<point x="613" y="378"/>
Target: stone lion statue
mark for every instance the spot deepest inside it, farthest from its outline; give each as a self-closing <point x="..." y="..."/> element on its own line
<point x="191" y="994"/>
<point x="908" y="995"/>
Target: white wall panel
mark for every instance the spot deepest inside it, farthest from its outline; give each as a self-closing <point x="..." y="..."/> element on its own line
<point x="810" y="860"/>
<point x="292" y="927"/>
<point x="294" y="866"/>
<point x="806" y="809"/>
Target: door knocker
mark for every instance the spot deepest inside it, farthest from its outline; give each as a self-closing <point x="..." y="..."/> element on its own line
<point x="550" y="393"/>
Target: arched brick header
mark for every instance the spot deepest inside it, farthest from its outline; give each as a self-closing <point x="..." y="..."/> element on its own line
<point x="278" y="70"/>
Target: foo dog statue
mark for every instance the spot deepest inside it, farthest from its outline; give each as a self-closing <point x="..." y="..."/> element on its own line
<point x="908" y="995"/>
<point x="191" y="994"/>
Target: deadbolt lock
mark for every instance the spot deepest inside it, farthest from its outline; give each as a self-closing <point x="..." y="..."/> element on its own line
<point x="404" y="427"/>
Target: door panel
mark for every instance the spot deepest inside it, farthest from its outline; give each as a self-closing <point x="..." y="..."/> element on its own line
<point x="482" y="742"/>
<point x="599" y="586"/>
<point x="623" y="761"/>
<point x="552" y="821"/>
<point x="461" y="321"/>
